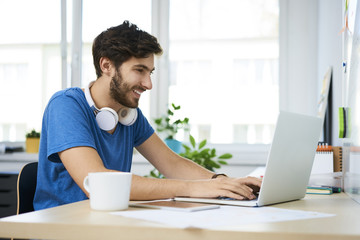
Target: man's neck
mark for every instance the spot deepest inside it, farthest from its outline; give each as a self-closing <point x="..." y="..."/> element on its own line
<point x="101" y="95"/>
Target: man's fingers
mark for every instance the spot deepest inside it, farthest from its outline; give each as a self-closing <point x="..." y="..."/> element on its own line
<point x="239" y="190"/>
<point x="236" y="188"/>
<point x="252" y="181"/>
<point x="245" y="187"/>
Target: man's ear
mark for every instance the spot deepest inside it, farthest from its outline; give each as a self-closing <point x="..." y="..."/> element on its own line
<point x="106" y="66"/>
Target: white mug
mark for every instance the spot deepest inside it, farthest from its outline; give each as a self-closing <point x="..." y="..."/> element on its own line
<point x="109" y="191"/>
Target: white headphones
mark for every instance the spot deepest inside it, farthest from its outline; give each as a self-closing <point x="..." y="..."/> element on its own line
<point x="106" y="117"/>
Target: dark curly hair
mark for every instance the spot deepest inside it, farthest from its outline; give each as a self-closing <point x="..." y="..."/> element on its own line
<point x="122" y="42"/>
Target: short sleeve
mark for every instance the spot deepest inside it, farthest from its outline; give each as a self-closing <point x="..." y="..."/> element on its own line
<point x="143" y="129"/>
<point x="67" y="126"/>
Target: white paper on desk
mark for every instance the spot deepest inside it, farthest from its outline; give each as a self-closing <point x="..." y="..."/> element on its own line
<point x="223" y="216"/>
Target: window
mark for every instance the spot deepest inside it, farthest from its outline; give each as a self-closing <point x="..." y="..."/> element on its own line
<point x="30" y="54"/>
<point x="224" y="67"/>
<point x="223" y="62"/>
<point x="30" y="68"/>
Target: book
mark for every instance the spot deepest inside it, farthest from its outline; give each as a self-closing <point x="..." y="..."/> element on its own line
<point x="319" y="190"/>
<point x="323" y="189"/>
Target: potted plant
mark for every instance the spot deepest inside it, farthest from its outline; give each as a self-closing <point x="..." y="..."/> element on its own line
<point x="169" y="127"/>
<point x="32" y="141"/>
<point x="206" y="157"/>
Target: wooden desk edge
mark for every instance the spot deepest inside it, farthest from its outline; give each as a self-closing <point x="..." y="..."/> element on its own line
<point x="125" y="228"/>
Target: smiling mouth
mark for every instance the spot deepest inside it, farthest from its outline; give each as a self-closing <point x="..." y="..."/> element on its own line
<point x="137" y="92"/>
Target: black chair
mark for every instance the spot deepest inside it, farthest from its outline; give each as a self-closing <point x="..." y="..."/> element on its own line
<point x="26" y="186"/>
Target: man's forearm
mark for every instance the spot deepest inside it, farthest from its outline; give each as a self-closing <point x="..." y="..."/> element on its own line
<point x="183" y="168"/>
<point x="170" y="164"/>
<point x="143" y="188"/>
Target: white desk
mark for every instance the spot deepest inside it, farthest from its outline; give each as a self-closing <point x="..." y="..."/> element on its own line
<point x="78" y="221"/>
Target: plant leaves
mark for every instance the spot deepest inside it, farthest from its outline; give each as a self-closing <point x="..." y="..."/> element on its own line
<point x="175" y="107"/>
<point x="213" y="152"/>
<point x="187" y="148"/>
<point x="205" y="153"/>
<point x="197" y="161"/>
<point x="158" y="121"/>
<point x="222" y="162"/>
<point x="226" y="156"/>
<point x="213" y="164"/>
<point x="153" y="174"/>
<point x="202" y="144"/>
<point x="192" y="141"/>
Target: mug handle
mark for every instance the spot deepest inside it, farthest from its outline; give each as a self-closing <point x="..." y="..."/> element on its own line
<point x="86" y="184"/>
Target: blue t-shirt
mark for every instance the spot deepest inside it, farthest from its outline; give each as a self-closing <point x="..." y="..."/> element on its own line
<point x="69" y="122"/>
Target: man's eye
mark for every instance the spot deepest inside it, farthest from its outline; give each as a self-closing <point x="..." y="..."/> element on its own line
<point x="140" y="70"/>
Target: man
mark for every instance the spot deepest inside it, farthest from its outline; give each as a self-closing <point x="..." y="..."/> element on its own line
<point x="76" y="140"/>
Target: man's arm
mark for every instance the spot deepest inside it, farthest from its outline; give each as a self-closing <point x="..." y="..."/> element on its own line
<point x="79" y="161"/>
<point x="170" y="164"/>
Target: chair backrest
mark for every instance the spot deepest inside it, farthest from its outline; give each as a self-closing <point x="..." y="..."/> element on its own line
<point x="26" y="186"/>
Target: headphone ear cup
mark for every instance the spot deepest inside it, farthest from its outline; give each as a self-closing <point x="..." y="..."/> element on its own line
<point x="107" y="119"/>
<point x="127" y="116"/>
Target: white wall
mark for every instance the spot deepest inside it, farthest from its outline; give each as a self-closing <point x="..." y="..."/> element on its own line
<point x="310" y="41"/>
<point x="330" y="53"/>
<point x="298" y="55"/>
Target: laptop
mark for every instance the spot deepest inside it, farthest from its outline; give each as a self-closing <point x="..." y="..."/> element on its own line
<point x="288" y="165"/>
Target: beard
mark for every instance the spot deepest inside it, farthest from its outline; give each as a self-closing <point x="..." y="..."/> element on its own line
<point x="119" y="89"/>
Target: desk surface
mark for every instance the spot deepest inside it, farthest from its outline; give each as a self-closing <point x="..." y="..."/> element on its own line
<point x="78" y="221"/>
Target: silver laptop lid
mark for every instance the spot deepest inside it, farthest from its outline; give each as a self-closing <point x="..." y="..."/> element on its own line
<point x="290" y="158"/>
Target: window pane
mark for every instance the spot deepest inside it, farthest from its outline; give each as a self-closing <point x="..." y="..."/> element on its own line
<point x="224" y="67"/>
<point x="101" y="15"/>
<point x="30" y="64"/>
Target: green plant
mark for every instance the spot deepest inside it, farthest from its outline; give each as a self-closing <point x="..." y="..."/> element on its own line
<point x="203" y="156"/>
<point x="200" y="155"/>
<point x="33" y="134"/>
<point x="170" y="127"/>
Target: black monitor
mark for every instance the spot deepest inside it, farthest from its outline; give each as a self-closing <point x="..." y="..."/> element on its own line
<point x="325" y="106"/>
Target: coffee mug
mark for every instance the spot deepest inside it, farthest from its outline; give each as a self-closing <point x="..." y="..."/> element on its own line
<point x="109" y="191"/>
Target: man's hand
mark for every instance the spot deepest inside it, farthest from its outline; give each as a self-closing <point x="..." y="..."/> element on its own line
<point x="237" y="188"/>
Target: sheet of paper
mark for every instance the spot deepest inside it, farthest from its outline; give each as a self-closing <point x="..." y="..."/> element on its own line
<point x="224" y="216"/>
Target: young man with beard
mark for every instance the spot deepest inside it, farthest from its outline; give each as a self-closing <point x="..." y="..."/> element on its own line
<point x="84" y="131"/>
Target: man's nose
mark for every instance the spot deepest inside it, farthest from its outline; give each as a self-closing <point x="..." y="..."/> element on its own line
<point x="147" y="83"/>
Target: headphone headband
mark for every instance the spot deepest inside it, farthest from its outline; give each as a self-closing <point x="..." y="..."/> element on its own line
<point x="89" y="98"/>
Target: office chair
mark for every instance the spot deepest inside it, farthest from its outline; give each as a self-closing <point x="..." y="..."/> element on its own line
<point x="26" y="186"/>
